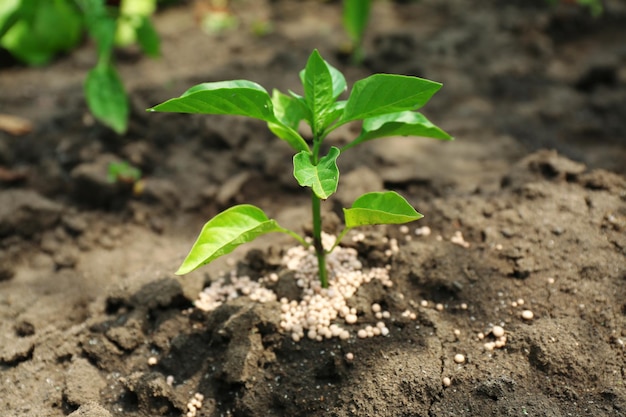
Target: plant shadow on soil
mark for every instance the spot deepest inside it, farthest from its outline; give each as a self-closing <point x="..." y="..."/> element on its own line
<point x="87" y="294"/>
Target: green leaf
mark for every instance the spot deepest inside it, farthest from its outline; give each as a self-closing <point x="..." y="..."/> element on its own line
<point x="318" y="90"/>
<point x="338" y="80"/>
<point x="355" y="16"/>
<point x="9" y="15"/>
<point x="40" y="29"/>
<point x="147" y="37"/>
<point x="381" y="94"/>
<point x="386" y="207"/>
<point x="323" y="177"/>
<point x="289" y="109"/>
<point x="225" y="232"/>
<point x="138" y="7"/>
<point x="405" y="123"/>
<point x="106" y="97"/>
<point x="238" y="97"/>
<point x="289" y="135"/>
<point x="335" y="112"/>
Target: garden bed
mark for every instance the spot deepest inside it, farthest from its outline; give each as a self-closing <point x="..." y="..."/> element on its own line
<point x="526" y="212"/>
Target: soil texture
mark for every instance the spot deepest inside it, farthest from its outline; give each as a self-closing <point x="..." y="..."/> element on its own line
<point x="511" y="302"/>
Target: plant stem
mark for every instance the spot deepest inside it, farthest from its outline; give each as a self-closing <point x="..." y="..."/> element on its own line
<point x="317" y="240"/>
<point x="338" y="240"/>
<point x="317" y="220"/>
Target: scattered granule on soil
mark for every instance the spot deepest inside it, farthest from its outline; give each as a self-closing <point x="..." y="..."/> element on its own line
<point x="220" y="291"/>
<point x="321" y="312"/>
<point x="458" y="239"/>
<point x="498" y="341"/>
<point x="194" y="404"/>
<point x="423" y="231"/>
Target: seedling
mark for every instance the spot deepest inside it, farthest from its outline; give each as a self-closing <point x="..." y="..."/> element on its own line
<point x="385" y="103"/>
<point x="123" y="172"/>
<point x="34" y="31"/>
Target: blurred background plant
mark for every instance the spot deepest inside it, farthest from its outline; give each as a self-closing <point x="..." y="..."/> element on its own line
<point x="596" y="7"/>
<point x="36" y="31"/>
<point x="355" y="17"/>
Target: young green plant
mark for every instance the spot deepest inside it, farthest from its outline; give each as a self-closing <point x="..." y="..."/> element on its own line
<point x="35" y="31"/>
<point x="386" y="105"/>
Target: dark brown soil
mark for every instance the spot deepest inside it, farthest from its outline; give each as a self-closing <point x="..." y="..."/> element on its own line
<point x="536" y="98"/>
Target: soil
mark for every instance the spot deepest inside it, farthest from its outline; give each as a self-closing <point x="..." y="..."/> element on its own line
<point x="535" y="183"/>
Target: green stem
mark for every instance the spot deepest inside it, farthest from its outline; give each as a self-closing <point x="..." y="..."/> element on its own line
<point x="338" y="240"/>
<point x="317" y="240"/>
<point x="317" y="221"/>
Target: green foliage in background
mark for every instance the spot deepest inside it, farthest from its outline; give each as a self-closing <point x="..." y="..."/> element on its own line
<point x="35" y="31"/>
<point x="356" y="14"/>
<point x="596" y="7"/>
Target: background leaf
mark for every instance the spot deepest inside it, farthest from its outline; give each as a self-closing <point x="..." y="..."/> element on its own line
<point x="355" y="16"/>
<point x="406" y="123"/>
<point x="386" y="207"/>
<point x="225" y="232"/>
<point x="381" y="94"/>
<point x="147" y="37"/>
<point x="106" y="97"/>
<point x="38" y="29"/>
<point x="323" y="177"/>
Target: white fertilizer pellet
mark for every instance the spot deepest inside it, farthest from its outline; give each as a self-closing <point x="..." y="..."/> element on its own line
<point x="423" y="231"/>
<point x="497" y="331"/>
<point x="459" y="358"/>
<point x="527" y="315"/>
<point x="194" y="404"/>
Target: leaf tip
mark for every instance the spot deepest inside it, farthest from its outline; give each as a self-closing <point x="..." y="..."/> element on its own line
<point x="182" y="270"/>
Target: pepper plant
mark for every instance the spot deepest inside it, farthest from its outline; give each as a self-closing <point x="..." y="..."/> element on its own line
<point x="385" y="104"/>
